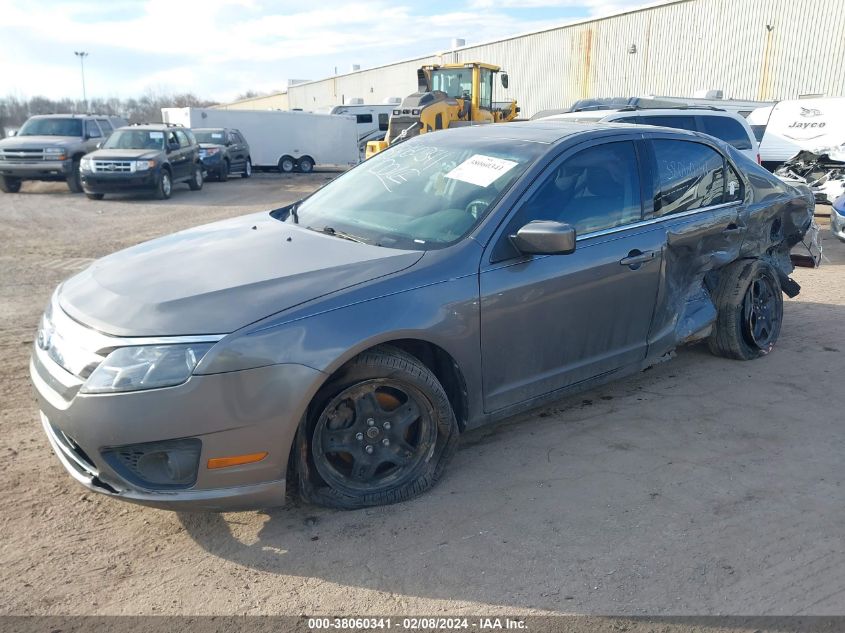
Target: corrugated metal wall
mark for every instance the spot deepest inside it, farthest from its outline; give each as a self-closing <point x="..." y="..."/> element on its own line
<point x="751" y="49"/>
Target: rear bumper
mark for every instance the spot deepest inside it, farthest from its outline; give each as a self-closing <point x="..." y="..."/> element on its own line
<point x="37" y="170"/>
<point x="119" y="183"/>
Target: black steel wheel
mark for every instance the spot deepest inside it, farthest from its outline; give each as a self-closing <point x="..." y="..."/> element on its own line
<point x="380" y="432"/>
<point x="749" y="308"/>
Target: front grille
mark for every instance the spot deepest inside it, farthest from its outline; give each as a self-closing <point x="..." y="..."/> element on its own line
<point x="24" y="155"/>
<point x="113" y="166"/>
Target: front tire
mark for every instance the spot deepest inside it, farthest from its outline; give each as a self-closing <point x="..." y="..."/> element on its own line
<point x="247" y="173"/>
<point x="749" y="306"/>
<point x="74" y="178"/>
<point x="223" y="174"/>
<point x="8" y="184"/>
<point x="165" y="185"/>
<point x="381" y="431"/>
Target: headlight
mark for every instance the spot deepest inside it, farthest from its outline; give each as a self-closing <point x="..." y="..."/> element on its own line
<point x="57" y="153"/>
<point x="85" y="164"/>
<point x="211" y="151"/>
<point x="144" y="165"/>
<point x="145" y="367"/>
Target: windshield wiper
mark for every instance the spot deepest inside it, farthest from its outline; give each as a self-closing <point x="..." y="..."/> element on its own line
<point x="328" y="230"/>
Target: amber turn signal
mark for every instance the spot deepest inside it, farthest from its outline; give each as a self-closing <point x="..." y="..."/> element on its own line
<point x="236" y="460"/>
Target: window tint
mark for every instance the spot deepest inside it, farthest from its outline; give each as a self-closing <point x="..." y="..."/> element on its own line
<point x="677" y="122"/>
<point x="92" y="130"/>
<point x="172" y="139"/>
<point x="184" y="141"/>
<point x="383" y="121"/>
<point x="690" y="176"/>
<point x="727" y="129"/>
<point x="597" y="188"/>
<point x="105" y="126"/>
<point x="364" y="118"/>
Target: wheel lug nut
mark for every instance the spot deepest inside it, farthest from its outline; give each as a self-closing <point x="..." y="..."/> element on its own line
<point x="369" y="449"/>
<point x="386" y="442"/>
<point x="386" y="425"/>
<point x="370" y="422"/>
<point x="359" y="436"/>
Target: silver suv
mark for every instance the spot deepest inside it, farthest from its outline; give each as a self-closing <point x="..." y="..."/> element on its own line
<point x="49" y="147"/>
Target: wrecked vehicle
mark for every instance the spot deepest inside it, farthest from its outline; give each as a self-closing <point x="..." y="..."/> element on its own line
<point x="822" y="171"/>
<point x="342" y="344"/>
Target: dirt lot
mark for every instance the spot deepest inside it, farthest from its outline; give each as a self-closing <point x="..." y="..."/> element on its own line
<point x="702" y="486"/>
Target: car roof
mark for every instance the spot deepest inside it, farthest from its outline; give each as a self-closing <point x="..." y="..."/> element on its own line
<point x="600" y="114"/>
<point x="159" y="127"/>
<point x="539" y="131"/>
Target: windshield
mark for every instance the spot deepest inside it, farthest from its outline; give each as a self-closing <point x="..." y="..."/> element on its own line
<point x="135" y="139"/>
<point x="52" y="127"/>
<point x="456" y="82"/>
<point x="210" y="136"/>
<point x="422" y="194"/>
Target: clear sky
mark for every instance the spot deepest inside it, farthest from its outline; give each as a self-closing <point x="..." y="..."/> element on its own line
<point x="220" y="48"/>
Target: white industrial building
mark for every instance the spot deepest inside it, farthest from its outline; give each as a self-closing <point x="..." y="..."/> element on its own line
<point x="750" y="49"/>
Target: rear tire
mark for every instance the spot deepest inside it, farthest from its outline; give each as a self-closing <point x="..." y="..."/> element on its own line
<point x="74" y="178"/>
<point x="94" y="196"/>
<point x="8" y="184"/>
<point x="223" y="174"/>
<point x="195" y="183"/>
<point x="306" y="165"/>
<point x="749" y="305"/>
<point x="381" y="431"/>
<point x="286" y="164"/>
<point x="165" y="185"/>
<point x="247" y="172"/>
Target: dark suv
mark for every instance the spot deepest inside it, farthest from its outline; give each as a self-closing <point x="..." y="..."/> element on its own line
<point x="223" y="151"/>
<point x="149" y="157"/>
<point x="49" y="147"/>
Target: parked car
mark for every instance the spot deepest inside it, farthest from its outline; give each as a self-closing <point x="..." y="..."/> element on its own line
<point x="727" y="126"/>
<point x="143" y="158"/>
<point x="342" y="343"/>
<point x="837" y="218"/>
<point x="223" y="151"/>
<point x="49" y="147"/>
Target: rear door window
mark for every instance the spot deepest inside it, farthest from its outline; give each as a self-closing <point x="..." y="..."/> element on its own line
<point x="680" y="122"/>
<point x="727" y="129"/>
<point x="690" y="176"/>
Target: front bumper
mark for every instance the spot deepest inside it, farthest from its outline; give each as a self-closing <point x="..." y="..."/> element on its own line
<point x="119" y="183"/>
<point x="36" y="170"/>
<point x="837" y="219"/>
<point x="236" y="413"/>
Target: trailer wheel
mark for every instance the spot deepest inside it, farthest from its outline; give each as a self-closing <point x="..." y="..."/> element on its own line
<point x="306" y="164"/>
<point x="286" y="164"/>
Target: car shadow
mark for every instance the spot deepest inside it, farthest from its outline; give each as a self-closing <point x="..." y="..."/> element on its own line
<point x="698" y="486"/>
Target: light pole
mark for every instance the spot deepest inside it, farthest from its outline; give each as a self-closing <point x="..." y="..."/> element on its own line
<point x="82" y="55"/>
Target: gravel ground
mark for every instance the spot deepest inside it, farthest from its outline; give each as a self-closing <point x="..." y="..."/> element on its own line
<point x="702" y="486"/>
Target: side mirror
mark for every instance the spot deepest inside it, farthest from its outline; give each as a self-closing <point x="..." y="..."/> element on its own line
<point x="504" y="78"/>
<point x="99" y="145"/>
<point x="13" y="133"/>
<point x="545" y="237"/>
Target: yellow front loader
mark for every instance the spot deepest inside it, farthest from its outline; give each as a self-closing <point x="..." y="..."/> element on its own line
<point x="448" y="95"/>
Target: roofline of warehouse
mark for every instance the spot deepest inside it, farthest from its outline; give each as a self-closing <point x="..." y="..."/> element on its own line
<point x="255" y="98"/>
<point x="615" y="14"/>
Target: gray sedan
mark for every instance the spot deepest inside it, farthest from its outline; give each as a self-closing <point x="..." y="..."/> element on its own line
<point x="339" y="346"/>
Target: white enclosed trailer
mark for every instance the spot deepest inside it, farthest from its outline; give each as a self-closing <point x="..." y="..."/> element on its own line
<point x="281" y="139"/>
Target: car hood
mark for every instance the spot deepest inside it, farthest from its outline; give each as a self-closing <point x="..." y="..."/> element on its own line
<point x="217" y="278"/>
<point x="35" y="142"/>
<point x="123" y="154"/>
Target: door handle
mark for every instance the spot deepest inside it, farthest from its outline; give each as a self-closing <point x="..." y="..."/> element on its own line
<point x="636" y="257"/>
